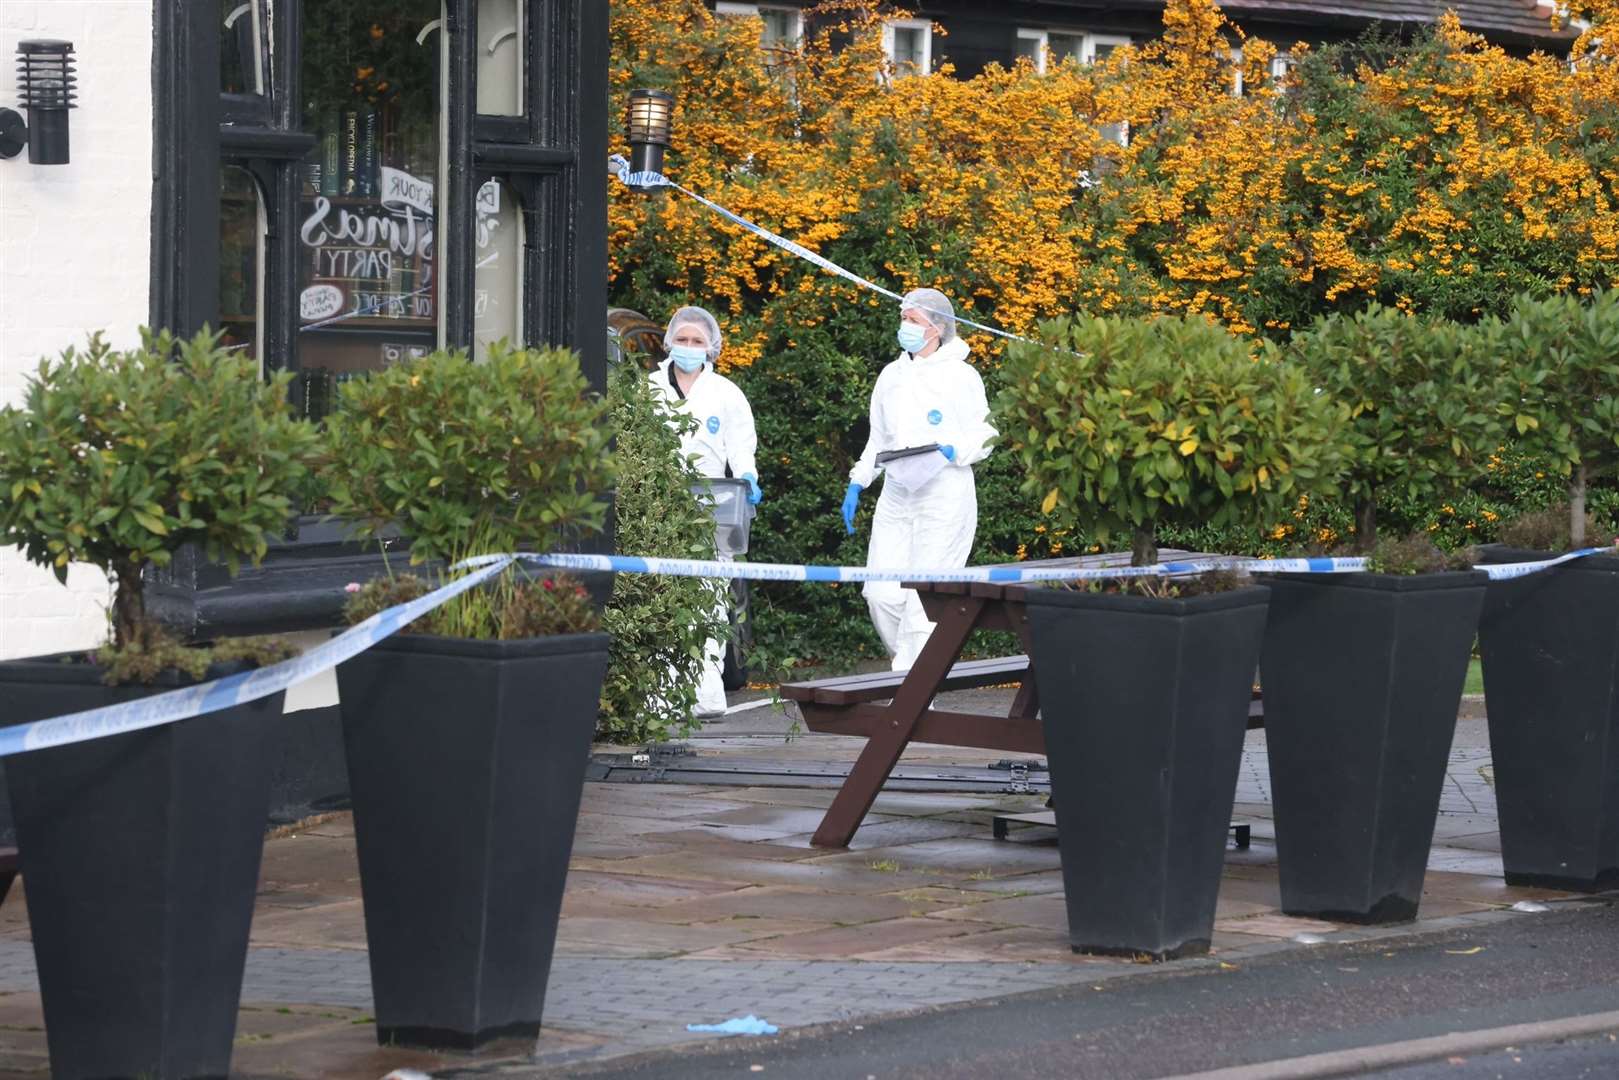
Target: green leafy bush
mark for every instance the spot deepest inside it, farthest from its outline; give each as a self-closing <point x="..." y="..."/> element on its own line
<point x="510" y="450"/>
<point x="1124" y="426"/>
<point x="659" y="624"/>
<point x="1421" y="398"/>
<point x="470" y="458"/>
<point x="1563" y="368"/>
<point x="118" y="458"/>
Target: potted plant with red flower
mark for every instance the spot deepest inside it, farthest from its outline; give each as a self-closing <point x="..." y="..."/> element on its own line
<point x="467" y="739"/>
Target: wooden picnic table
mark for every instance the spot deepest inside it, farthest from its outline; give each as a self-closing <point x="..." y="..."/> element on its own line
<point x="853" y="705"/>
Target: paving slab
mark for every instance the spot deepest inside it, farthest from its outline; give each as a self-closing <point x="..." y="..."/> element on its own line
<point x="695" y="903"/>
<point x="843" y="942"/>
<point x="1048" y="911"/>
<point x="980" y="857"/>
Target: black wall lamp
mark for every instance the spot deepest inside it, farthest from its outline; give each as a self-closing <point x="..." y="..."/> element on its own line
<point x="46" y="83"/>
<point x="649" y="121"/>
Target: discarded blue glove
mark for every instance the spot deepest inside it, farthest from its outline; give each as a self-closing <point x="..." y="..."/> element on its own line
<point x="738" y="1025"/>
<point x="754" y="494"/>
<point x="949" y="452"/>
<point x="851" y="502"/>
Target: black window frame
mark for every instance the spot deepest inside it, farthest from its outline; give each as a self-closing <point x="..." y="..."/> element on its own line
<point x="553" y="155"/>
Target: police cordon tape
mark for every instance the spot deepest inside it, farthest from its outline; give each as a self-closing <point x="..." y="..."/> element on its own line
<point x="1005" y="574"/>
<point x="189" y="701"/>
<point x="646" y="180"/>
<point x="203" y="698"/>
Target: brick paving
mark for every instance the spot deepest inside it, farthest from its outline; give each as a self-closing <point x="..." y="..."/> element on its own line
<point x="692" y="904"/>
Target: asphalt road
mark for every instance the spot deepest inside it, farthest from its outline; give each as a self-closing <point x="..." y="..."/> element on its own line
<point x="1324" y="1000"/>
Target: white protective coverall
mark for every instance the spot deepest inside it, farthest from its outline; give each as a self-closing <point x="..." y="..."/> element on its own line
<point x="725" y="435"/>
<point x="934" y="399"/>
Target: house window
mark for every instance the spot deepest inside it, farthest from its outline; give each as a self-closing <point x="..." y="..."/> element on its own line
<point x="1100" y="46"/>
<point x="1049" y="48"/>
<point x="1237" y="89"/>
<point x="1031" y="46"/>
<point x="909" y="45"/>
<point x="1281" y="65"/>
<point x="783" y="26"/>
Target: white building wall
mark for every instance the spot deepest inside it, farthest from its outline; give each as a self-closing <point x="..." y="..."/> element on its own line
<point x="75" y="243"/>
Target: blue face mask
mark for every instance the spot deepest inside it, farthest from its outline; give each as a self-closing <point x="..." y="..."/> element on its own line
<point x="688" y="358"/>
<point x="912" y="337"/>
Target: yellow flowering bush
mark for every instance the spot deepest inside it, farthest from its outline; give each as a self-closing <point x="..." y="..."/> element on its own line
<point x="1443" y="176"/>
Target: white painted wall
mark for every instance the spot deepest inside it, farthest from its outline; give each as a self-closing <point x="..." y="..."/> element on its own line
<point x="75" y="242"/>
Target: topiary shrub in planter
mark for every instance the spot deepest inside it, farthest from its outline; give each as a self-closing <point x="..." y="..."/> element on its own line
<point x="1124" y="425"/>
<point x="659" y="624"/>
<point x="141" y="850"/>
<point x="1550" y="641"/>
<point x="1363" y="673"/>
<point x="467" y="744"/>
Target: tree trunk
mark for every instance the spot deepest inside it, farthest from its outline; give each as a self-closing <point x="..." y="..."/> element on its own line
<point x="1366" y="523"/>
<point x="128" y="607"/>
<point x="1144" y="546"/>
<point x="1576" y="509"/>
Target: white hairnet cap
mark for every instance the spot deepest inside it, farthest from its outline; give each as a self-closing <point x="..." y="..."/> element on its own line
<point x="936" y="306"/>
<point x="695" y="316"/>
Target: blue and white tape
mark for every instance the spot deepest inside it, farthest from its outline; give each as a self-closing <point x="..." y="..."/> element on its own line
<point x="644" y="180"/>
<point x="232" y="690"/>
<point x="1508" y="571"/>
<point x="1000" y="575"/>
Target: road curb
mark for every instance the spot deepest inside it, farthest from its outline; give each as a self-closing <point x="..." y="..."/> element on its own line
<point x="1412" y="1051"/>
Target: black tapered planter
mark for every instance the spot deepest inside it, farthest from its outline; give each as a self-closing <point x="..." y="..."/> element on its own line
<point x="1145" y="705"/>
<point x="1362" y="677"/>
<point x="466" y="764"/>
<point x="1550" y="643"/>
<point x="141" y="856"/>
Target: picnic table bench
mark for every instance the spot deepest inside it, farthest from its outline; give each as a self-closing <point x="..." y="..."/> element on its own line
<point x="891" y="709"/>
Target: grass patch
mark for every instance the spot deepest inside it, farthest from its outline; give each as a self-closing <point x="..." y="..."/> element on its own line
<point x="1475" y="677"/>
<point x="885" y="866"/>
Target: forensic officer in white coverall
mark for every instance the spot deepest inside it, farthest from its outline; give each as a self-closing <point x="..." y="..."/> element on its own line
<point x="724" y="436"/>
<point x="928" y="510"/>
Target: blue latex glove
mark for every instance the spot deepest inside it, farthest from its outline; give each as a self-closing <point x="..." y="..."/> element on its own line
<point x="851" y="502"/>
<point x="754" y="494"/>
<point x="949" y="452"/>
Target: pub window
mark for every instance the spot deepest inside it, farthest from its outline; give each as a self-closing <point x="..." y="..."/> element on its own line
<point x="500" y="57"/>
<point x="498" y="280"/>
<point x="241" y="261"/>
<point x="243" y="47"/>
<point x="368" y="287"/>
<point x="347" y="237"/>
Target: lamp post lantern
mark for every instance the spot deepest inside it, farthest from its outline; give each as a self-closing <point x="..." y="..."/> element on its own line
<point x="648" y="120"/>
